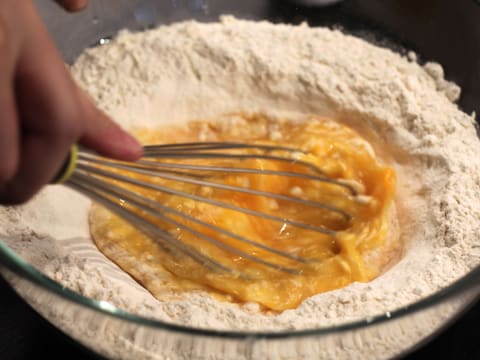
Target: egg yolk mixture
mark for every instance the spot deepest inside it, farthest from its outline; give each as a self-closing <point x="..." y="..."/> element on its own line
<point x="357" y="246"/>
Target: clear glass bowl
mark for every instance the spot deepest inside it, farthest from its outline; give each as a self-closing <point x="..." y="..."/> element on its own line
<point x="426" y="27"/>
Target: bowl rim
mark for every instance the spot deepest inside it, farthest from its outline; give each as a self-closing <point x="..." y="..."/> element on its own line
<point x="19" y="266"/>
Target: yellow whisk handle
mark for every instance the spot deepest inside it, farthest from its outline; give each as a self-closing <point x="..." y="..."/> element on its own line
<point x="69" y="166"/>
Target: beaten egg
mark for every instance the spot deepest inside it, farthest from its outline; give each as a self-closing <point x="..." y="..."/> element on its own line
<point x="356" y="247"/>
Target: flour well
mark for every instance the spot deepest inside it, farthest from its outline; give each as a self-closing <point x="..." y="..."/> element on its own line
<point x="190" y="70"/>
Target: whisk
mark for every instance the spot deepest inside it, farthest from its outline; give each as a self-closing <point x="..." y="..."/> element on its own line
<point x="106" y="181"/>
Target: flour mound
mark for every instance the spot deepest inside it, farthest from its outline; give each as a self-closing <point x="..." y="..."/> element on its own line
<point x="191" y="70"/>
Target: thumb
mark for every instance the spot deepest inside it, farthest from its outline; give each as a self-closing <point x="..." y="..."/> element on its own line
<point x="104" y="136"/>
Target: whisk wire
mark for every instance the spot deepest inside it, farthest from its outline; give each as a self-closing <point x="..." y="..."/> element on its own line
<point x="156" y="150"/>
<point x="157" y="210"/>
<point x="192" y="151"/>
<point x="167" y="241"/>
<point x="99" y="178"/>
<point x="155" y="169"/>
<point x="205" y="199"/>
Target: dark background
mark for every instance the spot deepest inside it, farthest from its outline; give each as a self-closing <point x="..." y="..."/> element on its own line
<point x="444" y="30"/>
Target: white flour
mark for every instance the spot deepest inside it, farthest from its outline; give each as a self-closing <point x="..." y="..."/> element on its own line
<point x="191" y="70"/>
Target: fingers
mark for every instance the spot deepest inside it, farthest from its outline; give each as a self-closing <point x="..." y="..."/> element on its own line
<point x="50" y="114"/>
<point x="44" y="144"/>
<point x="45" y="114"/>
<point x="29" y="145"/>
<point x="9" y="154"/>
<point x="54" y="114"/>
<point x="73" y="5"/>
<point x="105" y="136"/>
<point x="34" y="171"/>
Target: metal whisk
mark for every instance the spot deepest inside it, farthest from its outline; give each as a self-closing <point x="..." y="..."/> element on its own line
<point x="99" y="178"/>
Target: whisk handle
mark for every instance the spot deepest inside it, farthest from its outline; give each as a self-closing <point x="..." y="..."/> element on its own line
<point x="68" y="167"/>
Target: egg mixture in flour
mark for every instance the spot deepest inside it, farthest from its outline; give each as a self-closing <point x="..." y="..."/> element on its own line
<point x="190" y="71"/>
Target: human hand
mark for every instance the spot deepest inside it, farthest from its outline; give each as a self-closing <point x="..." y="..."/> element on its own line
<point x="73" y="5"/>
<point x="42" y="111"/>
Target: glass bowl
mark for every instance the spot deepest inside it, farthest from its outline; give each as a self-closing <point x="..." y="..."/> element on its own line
<point x="430" y="28"/>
